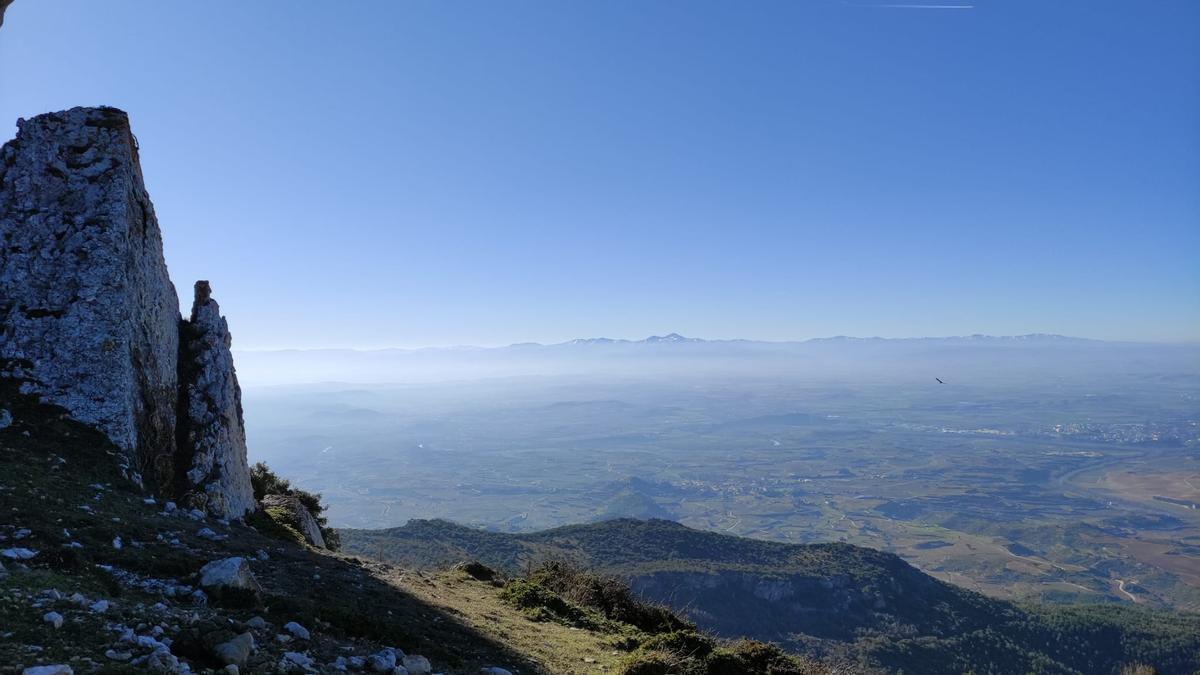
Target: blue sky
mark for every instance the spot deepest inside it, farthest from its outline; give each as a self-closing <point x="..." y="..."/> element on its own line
<point x="430" y="173"/>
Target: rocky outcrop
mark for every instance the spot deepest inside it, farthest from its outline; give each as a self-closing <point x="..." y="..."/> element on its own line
<point x="214" y="438"/>
<point x="89" y="318"/>
<point x="292" y="512"/>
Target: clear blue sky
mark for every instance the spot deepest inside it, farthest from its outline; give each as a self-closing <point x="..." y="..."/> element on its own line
<point x="386" y="173"/>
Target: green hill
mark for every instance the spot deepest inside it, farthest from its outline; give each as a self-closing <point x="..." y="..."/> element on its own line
<point x="843" y="601"/>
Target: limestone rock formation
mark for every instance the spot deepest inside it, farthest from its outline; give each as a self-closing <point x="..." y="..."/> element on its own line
<point x="89" y="317"/>
<point x="218" y="477"/>
<point x="294" y="513"/>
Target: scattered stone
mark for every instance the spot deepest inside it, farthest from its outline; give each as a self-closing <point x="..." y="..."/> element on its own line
<point x="382" y="662"/>
<point x="417" y="665"/>
<point x="6" y="419"/>
<point x="296" y="630"/>
<point x="207" y="533"/>
<point x="229" y="573"/>
<point x="293" y="659"/>
<point x="60" y="669"/>
<point x="118" y="656"/>
<point x="236" y="651"/>
<point x="54" y="619"/>
<point x="99" y="606"/>
<point x="256" y="622"/>
<point x="116" y="543"/>
<point x="493" y="670"/>
<point x="18" y="553"/>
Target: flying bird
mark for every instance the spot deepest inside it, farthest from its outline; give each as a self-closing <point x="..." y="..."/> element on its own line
<point x="939" y="380"/>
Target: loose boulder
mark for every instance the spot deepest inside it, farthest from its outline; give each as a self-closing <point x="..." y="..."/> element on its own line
<point x="236" y="651"/>
<point x="292" y="512"/>
<point x="229" y="577"/>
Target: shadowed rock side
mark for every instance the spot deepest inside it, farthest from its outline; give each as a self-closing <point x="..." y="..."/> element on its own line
<point x="218" y="475"/>
<point x="90" y="319"/>
<point x="3" y="6"/>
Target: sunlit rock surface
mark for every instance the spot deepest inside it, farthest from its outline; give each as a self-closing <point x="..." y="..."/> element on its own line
<point x="90" y="319"/>
<point x="219" y="475"/>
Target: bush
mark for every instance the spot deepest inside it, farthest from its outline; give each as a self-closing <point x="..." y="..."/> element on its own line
<point x="541" y="604"/>
<point x="267" y="482"/>
<point x="607" y="595"/>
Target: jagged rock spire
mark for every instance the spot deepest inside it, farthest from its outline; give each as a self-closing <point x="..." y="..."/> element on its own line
<point x="218" y="476"/>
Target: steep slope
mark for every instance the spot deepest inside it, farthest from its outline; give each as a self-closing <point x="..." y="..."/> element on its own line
<point x="837" y="599"/>
<point x="74" y="525"/>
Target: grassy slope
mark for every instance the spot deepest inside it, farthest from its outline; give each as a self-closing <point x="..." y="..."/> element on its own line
<point x="350" y="606"/>
<point x="851" y="601"/>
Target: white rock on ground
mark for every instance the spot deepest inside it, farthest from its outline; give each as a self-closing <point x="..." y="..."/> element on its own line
<point x="417" y="665"/>
<point x="297" y="659"/>
<point x="381" y="662"/>
<point x="18" y="553"/>
<point x="236" y="651"/>
<point x="229" y="573"/>
<point x="296" y="630"/>
<point x="59" y="669"/>
<point x="54" y="619"/>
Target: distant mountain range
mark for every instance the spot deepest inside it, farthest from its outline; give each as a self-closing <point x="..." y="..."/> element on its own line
<point x="677" y="339"/>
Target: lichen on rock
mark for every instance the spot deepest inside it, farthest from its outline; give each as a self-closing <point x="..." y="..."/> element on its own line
<point x="294" y="514"/>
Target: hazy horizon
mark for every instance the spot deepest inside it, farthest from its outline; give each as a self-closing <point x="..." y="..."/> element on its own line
<point x="642" y="338"/>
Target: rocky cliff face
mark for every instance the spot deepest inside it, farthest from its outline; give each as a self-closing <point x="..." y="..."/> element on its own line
<point x="89" y="318"/>
<point x="214" y="436"/>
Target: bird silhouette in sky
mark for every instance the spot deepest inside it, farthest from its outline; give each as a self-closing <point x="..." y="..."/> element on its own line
<point x="939" y="380"/>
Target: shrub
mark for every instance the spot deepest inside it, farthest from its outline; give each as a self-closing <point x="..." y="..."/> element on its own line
<point x="267" y="482"/>
<point x="608" y="595"/>
<point x="541" y="604"/>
